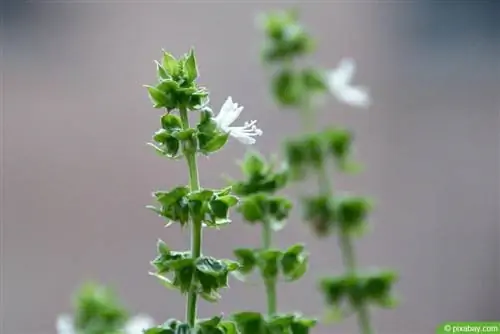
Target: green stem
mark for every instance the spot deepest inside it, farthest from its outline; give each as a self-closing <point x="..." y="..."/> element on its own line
<point x="269" y="283"/>
<point x="196" y="228"/>
<point x="345" y="242"/>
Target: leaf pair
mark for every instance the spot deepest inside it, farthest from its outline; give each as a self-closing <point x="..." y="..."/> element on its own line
<point x="256" y="323"/>
<point x="204" y="275"/>
<point x="360" y="289"/>
<point x="210" y="207"/>
<point x="292" y="263"/>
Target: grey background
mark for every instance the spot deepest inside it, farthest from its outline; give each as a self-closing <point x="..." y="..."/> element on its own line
<point x="76" y="172"/>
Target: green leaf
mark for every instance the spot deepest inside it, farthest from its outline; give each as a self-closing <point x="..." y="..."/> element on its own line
<point x="158" y="330"/>
<point x="279" y="208"/>
<point x="171" y="123"/>
<point x="161" y="72"/>
<point x="191" y="67"/>
<point x="250" y="322"/>
<point x="378" y="287"/>
<point x="253" y="164"/>
<point x="174" y="204"/>
<point x="224" y="191"/>
<point x="158" y="149"/>
<point x="314" y="80"/>
<point x="159" y="99"/>
<point x="214" y="143"/>
<point x="164" y="281"/>
<point x="279" y="323"/>
<point x="315" y="150"/>
<point x="211" y="266"/>
<point x="201" y="195"/>
<point x="172" y="196"/>
<point x="98" y="310"/>
<point x="247" y="259"/>
<point x="294" y="262"/>
<point x="319" y="212"/>
<point x="170" y="64"/>
<point x="334" y="290"/>
<point x="268" y="263"/>
<point x="287" y="88"/>
<point x="161" y="136"/>
<point x="184" y="135"/>
<point x="219" y="208"/>
<point x="251" y="209"/>
<point x="228" y="327"/>
<point x="162" y="247"/>
<point x="183" y="329"/>
<point x="302" y="325"/>
<point x="352" y="212"/>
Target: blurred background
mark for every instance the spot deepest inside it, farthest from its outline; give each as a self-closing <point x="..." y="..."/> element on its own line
<point x="76" y="173"/>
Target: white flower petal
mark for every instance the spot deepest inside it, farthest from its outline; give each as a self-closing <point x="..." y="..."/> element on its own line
<point x="339" y="81"/>
<point x="353" y="96"/>
<point x="64" y="324"/>
<point x="228" y="114"/>
<point x="138" y="324"/>
<point x="344" y="72"/>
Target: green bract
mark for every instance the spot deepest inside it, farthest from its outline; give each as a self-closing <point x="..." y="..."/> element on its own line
<point x="210" y="207"/>
<point x="291" y="263"/>
<point x="255" y="323"/>
<point x="97" y="311"/>
<point x="214" y="325"/>
<point x="358" y="289"/>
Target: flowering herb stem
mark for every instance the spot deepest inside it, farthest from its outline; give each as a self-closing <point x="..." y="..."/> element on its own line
<point x="196" y="227"/>
<point x="345" y="243"/>
<point x="270" y="283"/>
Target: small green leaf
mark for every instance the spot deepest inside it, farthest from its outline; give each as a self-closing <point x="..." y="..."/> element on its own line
<point x="250" y="322"/>
<point x="251" y="209"/>
<point x="279" y="208"/>
<point x="171" y="123"/>
<point x="161" y="72"/>
<point x="313" y="80"/>
<point x="163" y="280"/>
<point x="352" y="212"/>
<point x="170" y="64"/>
<point x="191" y="67"/>
<point x="247" y="259"/>
<point x="294" y="262"/>
<point x="183" y="329"/>
<point x="159" y="99"/>
<point x="215" y="143"/>
<point x="268" y="263"/>
<point x="253" y="164"/>
<point x="219" y="208"/>
<point x="302" y="325"/>
<point x="172" y="196"/>
<point x="162" y="247"/>
<point x="287" y="88"/>
<point x="161" y="136"/>
<point x="184" y="135"/>
<point x="158" y="149"/>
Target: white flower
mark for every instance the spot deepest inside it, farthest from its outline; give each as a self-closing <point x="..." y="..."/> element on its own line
<point x="339" y="82"/>
<point x="138" y="324"/>
<point x="229" y="112"/>
<point x="135" y="325"/>
<point x="64" y="325"/>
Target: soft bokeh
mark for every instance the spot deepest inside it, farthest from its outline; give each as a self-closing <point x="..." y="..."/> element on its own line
<point x="77" y="173"/>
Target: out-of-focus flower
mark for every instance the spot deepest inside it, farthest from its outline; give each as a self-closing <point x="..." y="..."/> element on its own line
<point x="135" y="325"/>
<point x="339" y="82"/>
<point x="229" y="112"/>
